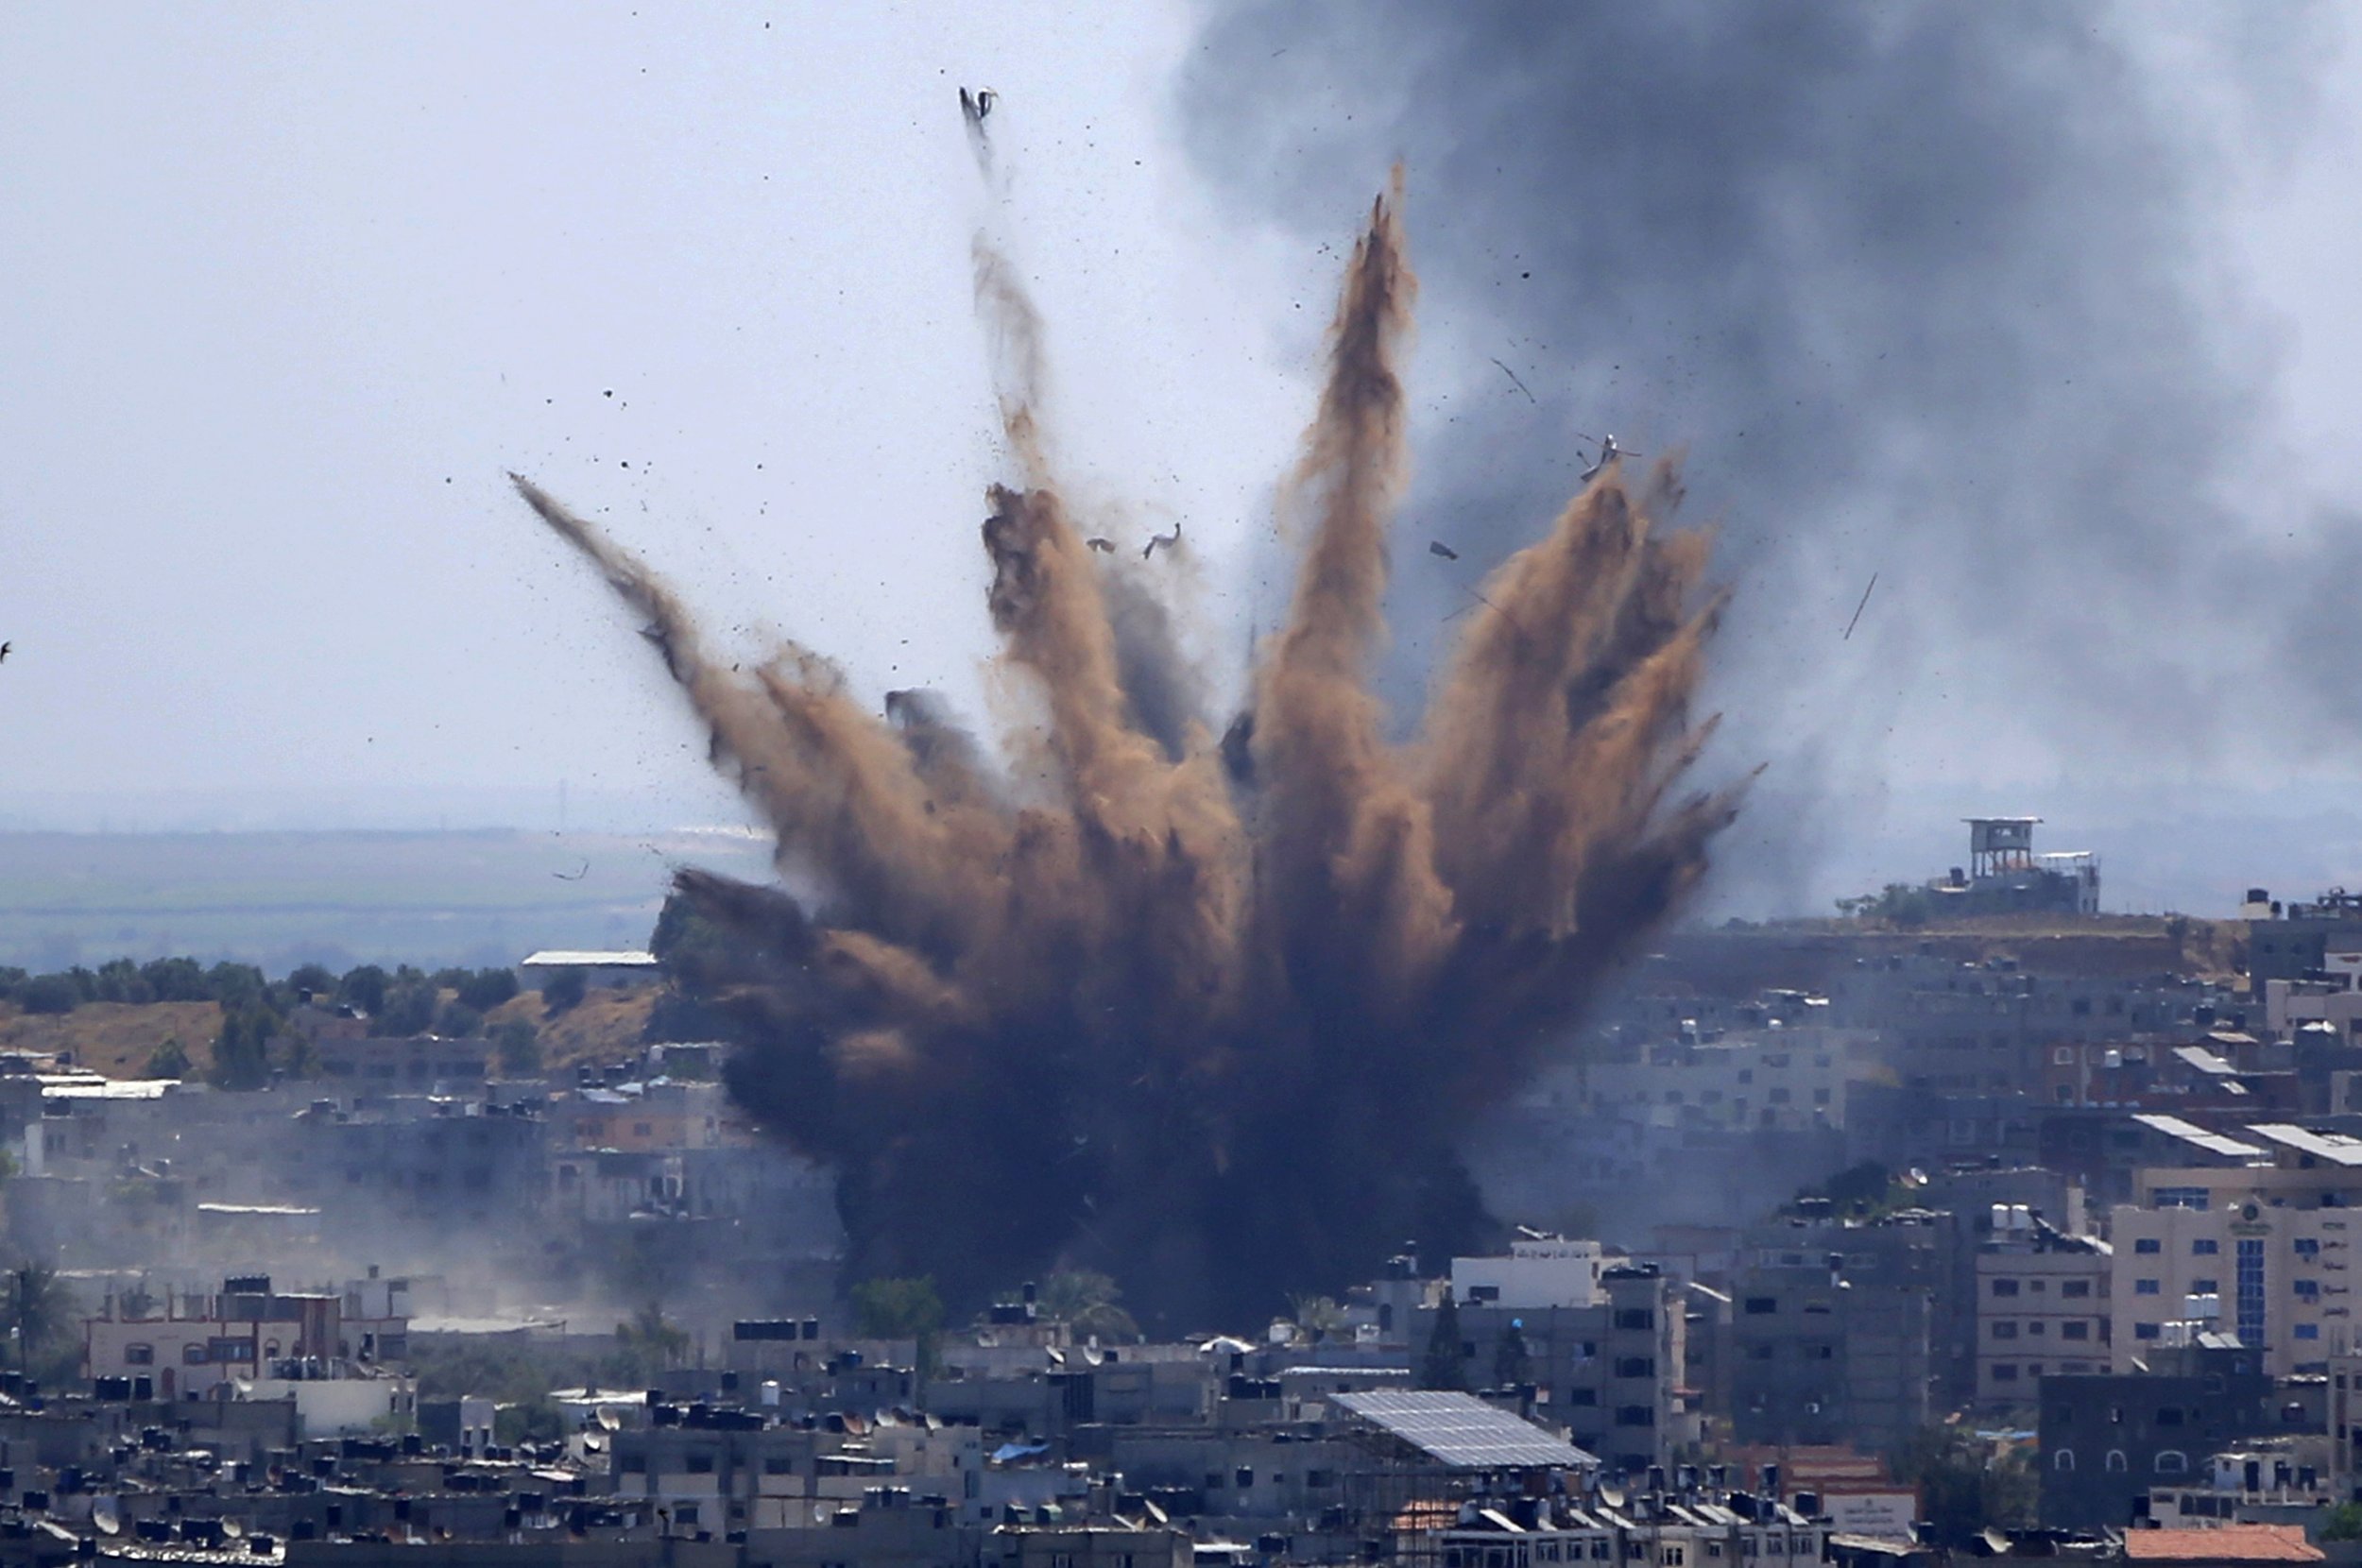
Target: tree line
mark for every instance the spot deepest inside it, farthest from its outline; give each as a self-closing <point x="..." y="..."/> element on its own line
<point x="399" y="1003"/>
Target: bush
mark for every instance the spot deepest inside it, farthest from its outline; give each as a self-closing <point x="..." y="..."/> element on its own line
<point x="409" y="1010"/>
<point x="363" y="988"/>
<point x="518" y="1044"/>
<point x="486" y="989"/>
<point x="50" y="994"/>
<point x="565" y="990"/>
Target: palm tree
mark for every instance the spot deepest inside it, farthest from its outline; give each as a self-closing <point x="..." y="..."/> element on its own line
<point x="34" y="1306"/>
<point x="1085" y="1301"/>
<point x="650" y="1342"/>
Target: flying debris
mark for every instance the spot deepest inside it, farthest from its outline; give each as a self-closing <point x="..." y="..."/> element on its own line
<point x="1169" y="540"/>
<point x="1105" y="546"/>
<point x="574" y="876"/>
<point x="1437" y="546"/>
<point x="1858" y="608"/>
<point x="1609" y="452"/>
<point x="4" y="651"/>
<point x="1206" y="1015"/>
<point x="1518" y="384"/>
<point x="977" y="105"/>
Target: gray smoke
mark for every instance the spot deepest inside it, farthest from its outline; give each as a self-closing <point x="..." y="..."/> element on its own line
<point x="1929" y="291"/>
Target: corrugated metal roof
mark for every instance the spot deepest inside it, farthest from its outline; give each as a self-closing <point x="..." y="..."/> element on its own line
<point x="623" y="958"/>
<point x="2336" y="1147"/>
<point x="2190" y="1132"/>
<point x="1461" y="1432"/>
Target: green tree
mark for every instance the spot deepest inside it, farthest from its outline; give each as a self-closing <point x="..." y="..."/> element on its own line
<point x="564" y="989"/>
<point x="314" y="979"/>
<point x="1444" y="1367"/>
<point x="363" y="988"/>
<point x="242" y="1050"/>
<point x="50" y="994"/>
<point x="1964" y="1486"/>
<point x="1511" y="1363"/>
<point x="518" y="1046"/>
<point x="2342" y="1523"/>
<point x="119" y="980"/>
<point x="456" y="1021"/>
<point x="1086" y="1301"/>
<point x="905" y="1308"/>
<point x="486" y="989"/>
<point x="175" y="980"/>
<point x="648" y="1344"/>
<point x="409" y="1010"/>
<point x="36" y="1308"/>
<point x="169" y="1060"/>
<point x="237" y="985"/>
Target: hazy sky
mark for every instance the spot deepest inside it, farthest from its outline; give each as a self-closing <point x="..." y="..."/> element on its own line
<point x="285" y="289"/>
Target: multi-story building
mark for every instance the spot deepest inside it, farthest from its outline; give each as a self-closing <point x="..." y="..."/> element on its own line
<point x="268" y="1343"/>
<point x="2107" y="1439"/>
<point x="2268" y="1250"/>
<point x="1834" y="1328"/>
<point x="1605" y="1356"/>
<point x="2042" y="1307"/>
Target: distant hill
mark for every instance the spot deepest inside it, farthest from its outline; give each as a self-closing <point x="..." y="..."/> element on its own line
<point x="340" y="899"/>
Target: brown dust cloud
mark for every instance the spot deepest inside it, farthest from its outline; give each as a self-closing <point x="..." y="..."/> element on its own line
<point x="1207" y="1006"/>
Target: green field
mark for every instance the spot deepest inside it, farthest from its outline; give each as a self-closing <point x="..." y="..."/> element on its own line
<point x="279" y="898"/>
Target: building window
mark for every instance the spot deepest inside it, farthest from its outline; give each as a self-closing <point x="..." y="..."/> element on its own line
<point x="2116" y="1461"/>
<point x="2064" y="1460"/>
<point x="2148" y="1245"/>
<point x="2180" y="1198"/>
<point x="139" y="1356"/>
<point x="2075" y="1287"/>
<point x="2206" y="1288"/>
<point x="2308" y="1331"/>
<point x="2005" y="1329"/>
<point x="2172" y="1462"/>
<point x="1759" y="1307"/>
<point x="2005" y="1372"/>
<point x="2205" y="1246"/>
<point x="2250" y="1294"/>
<point x="2307" y="1247"/>
<point x="2075" y="1329"/>
<point x="2144" y="1287"/>
<point x="2143" y="1331"/>
<point x="2005" y="1287"/>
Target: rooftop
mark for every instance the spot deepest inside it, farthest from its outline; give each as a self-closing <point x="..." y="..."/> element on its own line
<point x="2336" y="1147"/>
<point x="1461" y="1432"/>
<point x="2225" y="1544"/>
<point x="574" y="957"/>
<point x="2192" y="1134"/>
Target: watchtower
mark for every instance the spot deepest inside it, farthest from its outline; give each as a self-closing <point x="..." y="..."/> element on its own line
<point x="1998" y="845"/>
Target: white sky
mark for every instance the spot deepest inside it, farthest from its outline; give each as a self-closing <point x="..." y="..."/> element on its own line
<point x="289" y="287"/>
<point x="285" y="289"/>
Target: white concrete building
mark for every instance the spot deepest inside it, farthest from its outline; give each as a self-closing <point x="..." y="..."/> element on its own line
<point x="2269" y="1249"/>
<point x="2043" y="1299"/>
<point x="1540" y="1271"/>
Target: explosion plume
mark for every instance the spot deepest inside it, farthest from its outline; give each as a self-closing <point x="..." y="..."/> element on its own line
<point x="1208" y="1016"/>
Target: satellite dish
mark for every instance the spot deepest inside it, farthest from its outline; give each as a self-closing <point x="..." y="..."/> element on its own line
<point x="1611" y="1494"/>
<point x="103" y="1514"/>
<point x="231" y="1528"/>
<point x="607" y="1419"/>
